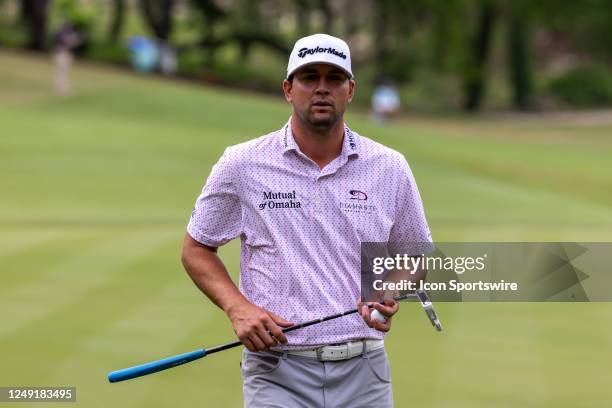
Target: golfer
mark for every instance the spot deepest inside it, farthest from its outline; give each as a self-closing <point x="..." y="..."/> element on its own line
<point x="302" y="199"/>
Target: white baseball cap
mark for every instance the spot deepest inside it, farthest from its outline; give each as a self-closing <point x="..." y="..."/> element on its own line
<point x="320" y="49"/>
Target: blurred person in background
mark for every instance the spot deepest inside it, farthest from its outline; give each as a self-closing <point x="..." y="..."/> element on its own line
<point x="385" y="101"/>
<point x="65" y="40"/>
<point x="144" y="54"/>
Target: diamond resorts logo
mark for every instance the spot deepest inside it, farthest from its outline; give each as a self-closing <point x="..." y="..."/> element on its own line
<point x="358" y="203"/>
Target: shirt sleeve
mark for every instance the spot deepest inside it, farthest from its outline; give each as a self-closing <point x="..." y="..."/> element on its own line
<point x="217" y="216"/>
<point x="410" y="224"/>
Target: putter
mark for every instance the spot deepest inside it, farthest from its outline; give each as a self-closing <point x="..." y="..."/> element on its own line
<point x="180" y="359"/>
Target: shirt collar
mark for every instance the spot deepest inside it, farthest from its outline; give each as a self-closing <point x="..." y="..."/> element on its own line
<point x="287" y="140"/>
<point x="350" y="143"/>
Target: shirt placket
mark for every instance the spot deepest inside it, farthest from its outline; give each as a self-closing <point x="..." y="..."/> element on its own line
<point x="317" y="190"/>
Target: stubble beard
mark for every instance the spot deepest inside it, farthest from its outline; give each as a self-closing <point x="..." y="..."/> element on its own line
<point x="320" y="124"/>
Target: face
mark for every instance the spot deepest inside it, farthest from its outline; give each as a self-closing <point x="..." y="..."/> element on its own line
<point x="319" y="94"/>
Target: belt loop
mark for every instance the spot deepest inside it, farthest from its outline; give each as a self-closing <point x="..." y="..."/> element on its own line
<point x="364" y="350"/>
<point x="284" y="356"/>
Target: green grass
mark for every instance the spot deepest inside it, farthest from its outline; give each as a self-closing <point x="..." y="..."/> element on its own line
<point x="97" y="189"/>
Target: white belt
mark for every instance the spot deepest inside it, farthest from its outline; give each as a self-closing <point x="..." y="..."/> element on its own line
<point x="337" y="352"/>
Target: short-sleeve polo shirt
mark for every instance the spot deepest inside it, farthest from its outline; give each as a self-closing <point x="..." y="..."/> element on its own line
<point x="301" y="226"/>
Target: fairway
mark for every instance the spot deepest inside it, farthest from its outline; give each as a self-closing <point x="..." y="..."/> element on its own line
<point x="97" y="189"/>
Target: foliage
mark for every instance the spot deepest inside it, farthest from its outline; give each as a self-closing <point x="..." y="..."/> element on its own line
<point x="73" y="11"/>
<point x="457" y="39"/>
<point x="584" y="87"/>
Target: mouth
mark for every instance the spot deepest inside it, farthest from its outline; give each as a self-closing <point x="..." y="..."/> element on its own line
<point x="322" y="104"/>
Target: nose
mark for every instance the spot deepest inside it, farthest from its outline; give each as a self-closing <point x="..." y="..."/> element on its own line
<point x="322" y="86"/>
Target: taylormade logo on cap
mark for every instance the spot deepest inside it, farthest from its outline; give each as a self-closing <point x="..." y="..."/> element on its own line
<point x="305" y="51"/>
<point x="320" y="49"/>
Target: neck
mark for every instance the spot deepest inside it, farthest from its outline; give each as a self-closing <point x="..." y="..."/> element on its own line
<point x="321" y="146"/>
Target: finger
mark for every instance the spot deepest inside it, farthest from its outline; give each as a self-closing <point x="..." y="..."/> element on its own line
<point x="276" y="332"/>
<point x="264" y="335"/>
<point x="279" y="320"/>
<point x="387" y="310"/>
<point x="380" y="326"/>
<point x="365" y="313"/>
<point x="259" y="345"/>
<point x="391" y="302"/>
<point x="359" y="305"/>
<point x="248" y="344"/>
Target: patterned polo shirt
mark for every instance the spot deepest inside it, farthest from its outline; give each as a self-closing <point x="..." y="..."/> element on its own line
<point x="301" y="227"/>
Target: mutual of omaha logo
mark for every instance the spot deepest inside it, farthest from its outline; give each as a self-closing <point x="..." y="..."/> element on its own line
<point x="310" y="51"/>
<point x="357" y="203"/>
<point x="275" y="200"/>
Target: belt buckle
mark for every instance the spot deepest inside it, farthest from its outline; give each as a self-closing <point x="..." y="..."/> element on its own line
<point x="342" y="348"/>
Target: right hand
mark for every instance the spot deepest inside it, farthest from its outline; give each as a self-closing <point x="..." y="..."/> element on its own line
<point x="258" y="329"/>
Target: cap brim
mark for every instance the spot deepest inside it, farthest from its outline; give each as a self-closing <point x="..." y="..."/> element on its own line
<point x="320" y="62"/>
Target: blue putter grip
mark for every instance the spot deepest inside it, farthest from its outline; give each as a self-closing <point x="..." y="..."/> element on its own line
<point x="155" y="366"/>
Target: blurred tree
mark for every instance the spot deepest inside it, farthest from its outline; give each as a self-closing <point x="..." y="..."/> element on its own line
<point x="381" y="17"/>
<point x="34" y="13"/>
<point x="302" y="17"/>
<point x="446" y="23"/>
<point x="479" y="50"/>
<point x="328" y="15"/>
<point x="212" y="14"/>
<point x="520" y="64"/>
<point x="350" y="16"/>
<point x="587" y="23"/>
<point x="117" y="19"/>
<point x="395" y="50"/>
<point x="158" y="15"/>
<point x="246" y="19"/>
<point x="245" y="24"/>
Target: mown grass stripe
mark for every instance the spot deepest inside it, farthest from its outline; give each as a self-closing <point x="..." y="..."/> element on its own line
<point x="40" y="253"/>
<point x="155" y="327"/>
<point x="14" y="242"/>
<point x="28" y="303"/>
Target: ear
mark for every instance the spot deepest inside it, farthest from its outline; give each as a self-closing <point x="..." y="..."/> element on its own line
<point x="287" y="86"/>
<point x="351" y="89"/>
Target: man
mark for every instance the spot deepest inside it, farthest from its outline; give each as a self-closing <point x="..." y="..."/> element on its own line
<point x="66" y="40"/>
<point x="301" y="199"/>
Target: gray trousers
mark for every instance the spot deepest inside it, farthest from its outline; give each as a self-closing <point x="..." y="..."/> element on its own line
<point x="275" y="379"/>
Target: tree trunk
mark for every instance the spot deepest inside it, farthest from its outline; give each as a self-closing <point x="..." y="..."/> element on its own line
<point x="520" y="67"/>
<point x="351" y="17"/>
<point x="117" y="20"/>
<point x="440" y="41"/>
<point x="158" y="14"/>
<point x="25" y="11"/>
<point x="34" y="12"/>
<point x="476" y="71"/>
<point x="211" y="13"/>
<point x="302" y="16"/>
<point x="381" y="28"/>
<point x="328" y="16"/>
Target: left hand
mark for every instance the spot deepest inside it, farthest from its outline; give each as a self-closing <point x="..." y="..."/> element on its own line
<point x="388" y="308"/>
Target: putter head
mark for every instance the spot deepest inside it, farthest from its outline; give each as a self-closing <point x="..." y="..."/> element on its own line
<point x="429" y="310"/>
